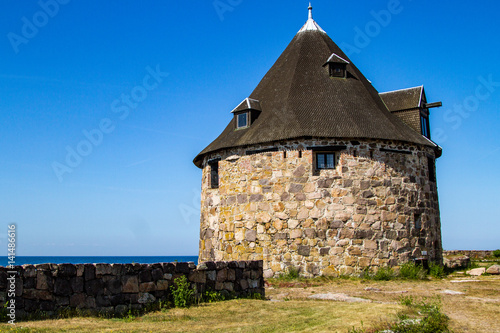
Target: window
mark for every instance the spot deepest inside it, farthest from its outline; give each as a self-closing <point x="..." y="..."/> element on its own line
<point x="337" y="70"/>
<point x="242" y="120"/>
<point x="424" y="124"/>
<point x="325" y="161"/>
<point x="418" y="221"/>
<point x="432" y="169"/>
<point x="214" y="174"/>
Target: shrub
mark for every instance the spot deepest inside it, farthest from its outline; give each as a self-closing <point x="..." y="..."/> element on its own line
<point x="411" y="271"/>
<point x="433" y="320"/>
<point x="4" y="312"/>
<point x="417" y="318"/>
<point x="496" y="253"/>
<point x="292" y="273"/>
<point x="210" y="296"/>
<point x="182" y="292"/>
<point x="406" y="300"/>
<point x="437" y="271"/>
<point x="384" y="274"/>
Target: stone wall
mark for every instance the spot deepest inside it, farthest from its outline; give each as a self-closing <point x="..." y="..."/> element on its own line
<point x="376" y="208"/>
<point x="474" y="254"/>
<point x="115" y="288"/>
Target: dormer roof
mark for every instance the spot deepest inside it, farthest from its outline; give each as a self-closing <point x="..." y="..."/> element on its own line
<point x="336" y="59"/>
<point x="404" y="99"/>
<point x="247" y="104"/>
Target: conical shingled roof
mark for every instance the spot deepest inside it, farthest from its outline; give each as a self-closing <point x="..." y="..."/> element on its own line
<point x="298" y="98"/>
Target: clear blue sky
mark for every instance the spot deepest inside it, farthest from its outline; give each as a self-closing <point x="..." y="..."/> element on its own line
<point x="136" y="192"/>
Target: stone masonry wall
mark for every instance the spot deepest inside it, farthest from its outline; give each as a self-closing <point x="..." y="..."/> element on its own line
<point x="117" y="288"/>
<point x="376" y="208"/>
<point x="475" y="254"/>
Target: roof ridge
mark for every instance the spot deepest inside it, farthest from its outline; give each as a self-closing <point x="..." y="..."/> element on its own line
<point x="391" y="91"/>
<point x="289" y="94"/>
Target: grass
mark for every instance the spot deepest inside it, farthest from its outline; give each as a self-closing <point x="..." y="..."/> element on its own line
<point x="397" y="301"/>
<point x="424" y="317"/>
<point x="230" y="316"/>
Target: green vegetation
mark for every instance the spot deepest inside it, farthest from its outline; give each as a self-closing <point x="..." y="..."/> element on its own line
<point x="292" y="273"/>
<point x="382" y="274"/>
<point x="496" y="253"/>
<point x="182" y="293"/>
<point x="416" y="318"/>
<point x="437" y="271"/>
<point x="410" y="271"/>
<point x="407" y="271"/>
<point x="3" y="313"/>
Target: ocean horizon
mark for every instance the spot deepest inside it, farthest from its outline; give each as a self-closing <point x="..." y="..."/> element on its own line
<point x="32" y="260"/>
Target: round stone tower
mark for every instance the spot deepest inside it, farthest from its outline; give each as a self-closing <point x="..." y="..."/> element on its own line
<point x="318" y="171"/>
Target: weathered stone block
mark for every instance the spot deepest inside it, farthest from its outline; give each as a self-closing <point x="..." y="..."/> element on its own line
<point x="324" y="251"/>
<point x="66" y="270"/>
<point x="145" y="298"/>
<point x="198" y="277"/>
<point x="251" y="235"/>
<point x="130" y="284"/>
<point x="304" y="250"/>
<point x="77" y="300"/>
<point x="147" y="287"/>
<point x="89" y="273"/>
<point x="296" y="188"/>
<point x="62" y="287"/>
<point x="44" y="280"/>
<point x="113" y="286"/>
<point x="103" y="269"/>
<point x="94" y="287"/>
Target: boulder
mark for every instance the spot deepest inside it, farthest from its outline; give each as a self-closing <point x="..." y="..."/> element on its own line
<point x="457" y="262"/>
<point x="476" y="271"/>
<point x="495" y="270"/>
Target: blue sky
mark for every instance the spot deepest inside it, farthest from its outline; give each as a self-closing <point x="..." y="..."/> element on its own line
<point x="68" y="76"/>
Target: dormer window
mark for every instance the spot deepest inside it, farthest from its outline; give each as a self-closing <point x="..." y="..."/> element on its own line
<point x="246" y="113"/>
<point x="337" y="70"/>
<point x="337" y="66"/>
<point x="242" y="120"/>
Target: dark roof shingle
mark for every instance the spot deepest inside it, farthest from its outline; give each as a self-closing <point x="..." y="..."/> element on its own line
<point x="299" y="99"/>
<point x="403" y="99"/>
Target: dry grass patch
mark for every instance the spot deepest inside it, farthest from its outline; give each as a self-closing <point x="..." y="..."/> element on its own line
<point x="477" y="310"/>
<point x="234" y="316"/>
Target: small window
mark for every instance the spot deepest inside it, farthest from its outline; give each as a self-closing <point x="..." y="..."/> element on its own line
<point x="325" y="161"/>
<point x="432" y="169"/>
<point x="418" y="221"/>
<point x="242" y="119"/>
<point x="424" y="123"/>
<point x="214" y="174"/>
<point x="337" y="70"/>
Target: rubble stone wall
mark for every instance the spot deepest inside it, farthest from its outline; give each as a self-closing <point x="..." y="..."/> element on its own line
<point x="475" y="254"/>
<point x="115" y="289"/>
<point x="378" y="207"/>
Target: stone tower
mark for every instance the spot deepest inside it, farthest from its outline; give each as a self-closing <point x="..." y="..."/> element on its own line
<point x="318" y="171"/>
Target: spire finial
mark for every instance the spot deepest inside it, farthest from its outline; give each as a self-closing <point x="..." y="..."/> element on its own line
<point x="310" y="11"/>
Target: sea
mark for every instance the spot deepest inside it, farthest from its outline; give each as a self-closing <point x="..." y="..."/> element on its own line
<point x="23" y="260"/>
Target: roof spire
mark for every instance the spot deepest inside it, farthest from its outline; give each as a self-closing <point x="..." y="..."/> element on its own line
<point x="311" y="24"/>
